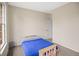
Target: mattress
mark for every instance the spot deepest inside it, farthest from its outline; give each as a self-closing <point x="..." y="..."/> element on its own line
<point x="32" y="47"/>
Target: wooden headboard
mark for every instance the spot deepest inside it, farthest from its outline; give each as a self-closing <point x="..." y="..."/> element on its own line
<point x="31" y="36"/>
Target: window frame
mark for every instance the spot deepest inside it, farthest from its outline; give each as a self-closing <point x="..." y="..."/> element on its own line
<point x="4" y="32"/>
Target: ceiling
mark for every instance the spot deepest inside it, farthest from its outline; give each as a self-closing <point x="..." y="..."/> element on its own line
<point x="46" y="7"/>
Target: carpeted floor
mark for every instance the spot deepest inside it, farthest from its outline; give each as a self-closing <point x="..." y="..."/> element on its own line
<point x="17" y="51"/>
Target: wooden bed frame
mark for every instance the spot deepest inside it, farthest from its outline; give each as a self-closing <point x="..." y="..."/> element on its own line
<point x="48" y="51"/>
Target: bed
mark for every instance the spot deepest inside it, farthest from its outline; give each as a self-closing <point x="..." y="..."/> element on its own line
<point x="37" y="46"/>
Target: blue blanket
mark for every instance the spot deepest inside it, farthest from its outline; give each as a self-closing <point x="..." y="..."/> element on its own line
<point x="32" y="47"/>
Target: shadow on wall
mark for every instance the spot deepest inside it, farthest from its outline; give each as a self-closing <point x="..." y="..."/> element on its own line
<point x="11" y="44"/>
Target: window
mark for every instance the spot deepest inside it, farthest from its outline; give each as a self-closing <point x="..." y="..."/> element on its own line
<point x="2" y="25"/>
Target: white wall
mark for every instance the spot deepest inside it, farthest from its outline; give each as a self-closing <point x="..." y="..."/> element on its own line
<point x="24" y="22"/>
<point x="66" y="26"/>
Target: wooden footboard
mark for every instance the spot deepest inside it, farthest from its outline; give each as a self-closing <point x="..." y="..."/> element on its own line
<point x="48" y="51"/>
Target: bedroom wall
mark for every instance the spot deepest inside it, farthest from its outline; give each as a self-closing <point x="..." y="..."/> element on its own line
<point x="24" y="22"/>
<point x="66" y="26"/>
